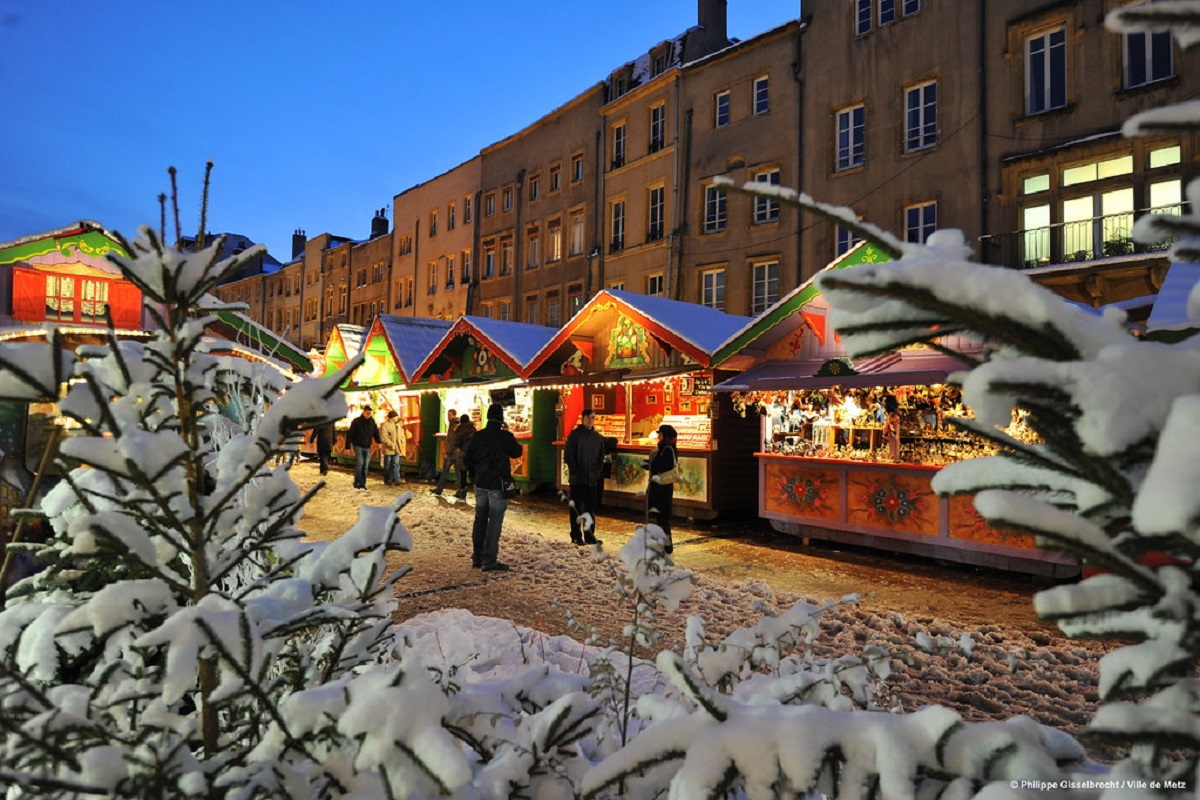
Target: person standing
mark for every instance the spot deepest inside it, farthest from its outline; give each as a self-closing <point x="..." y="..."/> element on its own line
<point x="323" y="436"/>
<point x="448" y="447"/>
<point x="489" y="457"/>
<point x="391" y="433"/>
<point x="466" y="431"/>
<point x="661" y="491"/>
<point x="584" y="457"/>
<point x="362" y="435"/>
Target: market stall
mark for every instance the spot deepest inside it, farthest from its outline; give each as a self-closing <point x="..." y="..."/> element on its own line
<point x="640" y="362"/>
<point x="847" y="447"/>
<point x="479" y="360"/>
<point x="392" y="348"/>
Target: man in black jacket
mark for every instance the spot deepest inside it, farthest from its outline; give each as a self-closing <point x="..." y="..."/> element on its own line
<point x="488" y="458"/>
<point x="323" y="435"/>
<point x="362" y="435"/>
<point x="584" y="456"/>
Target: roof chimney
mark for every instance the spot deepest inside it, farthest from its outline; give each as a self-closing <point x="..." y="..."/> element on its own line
<point x="712" y="17"/>
<point x="298" y="241"/>
<point x="379" y="224"/>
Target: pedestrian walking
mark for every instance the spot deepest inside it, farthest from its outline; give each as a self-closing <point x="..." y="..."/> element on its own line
<point x="661" y="491"/>
<point x="392" y="436"/>
<point x="362" y="436"/>
<point x="323" y="436"/>
<point x="466" y="430"/>
<point x="489" y="458"/>
<point x="449" y="445"/>
<point x="584" y="456"/>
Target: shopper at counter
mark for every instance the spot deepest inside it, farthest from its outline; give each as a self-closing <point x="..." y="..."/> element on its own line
<point x="584" y="457"/>
<point x="661" y="491"/>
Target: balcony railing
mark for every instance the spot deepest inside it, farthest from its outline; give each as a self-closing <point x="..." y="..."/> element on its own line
<point x="1071" y="242"/>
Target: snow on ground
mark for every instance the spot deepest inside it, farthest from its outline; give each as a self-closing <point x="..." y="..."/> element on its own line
<point x="990" y="671"/>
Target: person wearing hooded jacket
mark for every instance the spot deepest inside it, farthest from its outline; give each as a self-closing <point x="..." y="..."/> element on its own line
<point x="659" y="495"/>
<point x="583" y="454"/>
<point x="489" y="459"/>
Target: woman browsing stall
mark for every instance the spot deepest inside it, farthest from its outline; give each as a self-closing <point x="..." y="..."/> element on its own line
<point x="661" y="490"/>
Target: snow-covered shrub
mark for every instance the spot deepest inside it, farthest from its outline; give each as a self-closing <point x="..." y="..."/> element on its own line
<point x="184" y="641"/>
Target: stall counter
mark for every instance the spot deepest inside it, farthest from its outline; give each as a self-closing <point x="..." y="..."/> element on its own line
<point x="627" y="486"/>
<point x="893" y="507"/>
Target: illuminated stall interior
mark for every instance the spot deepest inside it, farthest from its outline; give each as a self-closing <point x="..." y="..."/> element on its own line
<point x="641" y="362"/>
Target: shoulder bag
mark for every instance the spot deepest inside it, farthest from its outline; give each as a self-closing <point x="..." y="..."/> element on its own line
<point x="671" y="475"/>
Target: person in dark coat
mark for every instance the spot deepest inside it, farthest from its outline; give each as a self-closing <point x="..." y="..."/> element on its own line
<point x="584" y="457"/>
<point x="362" y="435"/>
<point x="323" y="435"/>
<point x="450" y="450"/>
<point x="466" y="430"/>
<point x="659" y="495"/>
<point x="489" y="458"/>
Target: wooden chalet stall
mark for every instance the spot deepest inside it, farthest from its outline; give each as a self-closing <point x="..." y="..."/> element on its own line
<point x="826" y="467"/>
<point x="480" y="360"/>
<point x="392" y="349"/>
<point x="640" y="362"/>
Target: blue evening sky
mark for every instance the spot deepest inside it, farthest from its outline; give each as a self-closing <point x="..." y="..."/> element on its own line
<point x="315" y="113"/>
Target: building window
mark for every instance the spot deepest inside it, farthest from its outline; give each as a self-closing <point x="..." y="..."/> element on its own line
<point x="658" y="128"/>
<point x="432" y="269"/>
<point x="554" y="240"/>
<point x="1046" y="71"/>
<point x="851" y="137"/>
<point x="655" y="216"/>
<point x="577" y="168"/>
<point x="1149" y="57"/>
<point x="712" y="288"/>
<point x="506" y="257"/>
<point x="450" y="272"/>
<point x="553" y="312"/>
<point x="450" y="217"/>
<point x="655" y="285"/>
<point x="574" y="299"/>
<point x="617" y="219"/>
<point x="535" y="187"/>
<point x="345" y="299"/>
<point x="489" y="261"/>
<point x="920" y="221"/>
<point x="533" y="249"/>
<point x="862" y="16"/>
<point x="765" y="290"/>
<point x="659" y="66"/>
<point x="467" y="210"/>
<point x="618" y="146"/>
<point x="531" y="309"/>
<point x="887" y="12"/>
<point x="486" y="310"/>
<point x="466" y="267"/>
<point x="555" y="177"/>
<point x="766" y="209"/>
<point x="489" y="204"/>
<point x="911" y="7"/>
<point x="577" y="233"/>
<point x="505" y="311"/>
<point x="762" y="94"/>
<point x="920" y="117"/>
<point x="433" y="223"/>
<point x="846" y="240"/>
<point x="714" y="209"/>
<point x="506" y="199"/>
<point x="721" y="109"/>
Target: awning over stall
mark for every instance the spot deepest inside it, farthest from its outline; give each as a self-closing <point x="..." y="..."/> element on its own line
<point x="905" y="368"/>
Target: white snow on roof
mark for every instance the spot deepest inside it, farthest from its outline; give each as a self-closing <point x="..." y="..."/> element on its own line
<point x="521" y="341"/>
<point x="1170" y="309"/>
<point x="703" y="327"/>
<point x="352" y="337"/>
<point x="412" y="338"/>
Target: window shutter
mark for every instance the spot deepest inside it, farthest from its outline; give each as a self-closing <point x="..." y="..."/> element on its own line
<point x="28" y="295"/>
<point x="126" y="303"/>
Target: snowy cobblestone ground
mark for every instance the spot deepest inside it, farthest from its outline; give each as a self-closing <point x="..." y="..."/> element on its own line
<point x="1005" y="666"/>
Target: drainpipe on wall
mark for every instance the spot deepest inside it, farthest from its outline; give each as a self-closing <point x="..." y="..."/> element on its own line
<point x="518" y="249"/>
<point x="473" y="282"/>
<point x="673" y="285"/>
<point x="682" y="203"/>
<point x="985" y="197"/>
